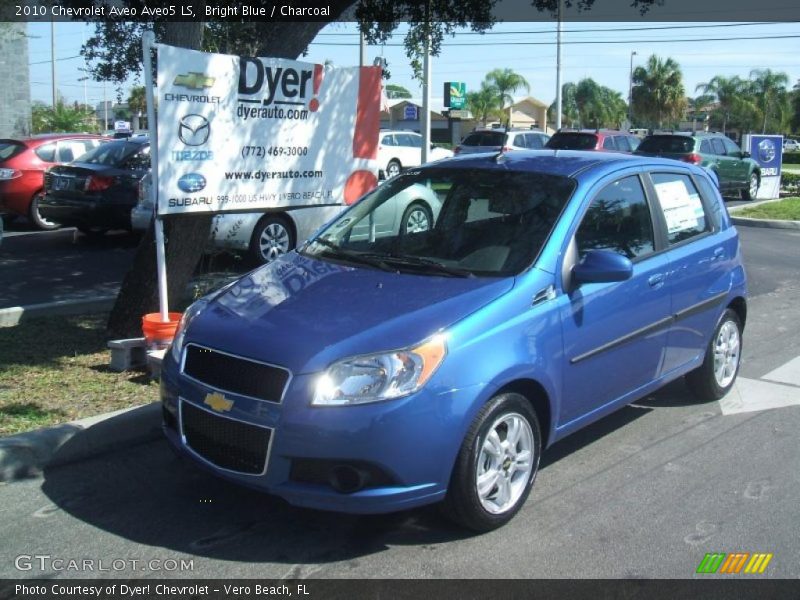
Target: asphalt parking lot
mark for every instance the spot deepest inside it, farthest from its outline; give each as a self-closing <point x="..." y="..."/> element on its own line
<point x="646" y="492"/>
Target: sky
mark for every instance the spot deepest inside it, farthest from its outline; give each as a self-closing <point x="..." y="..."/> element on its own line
<point x="527" y="48"/>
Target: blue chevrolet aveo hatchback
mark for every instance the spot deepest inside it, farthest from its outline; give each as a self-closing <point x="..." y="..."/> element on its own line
<point x="432" y="359"/>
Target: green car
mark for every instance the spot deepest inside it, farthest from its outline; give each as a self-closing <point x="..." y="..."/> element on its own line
<point x="735" y="170"/>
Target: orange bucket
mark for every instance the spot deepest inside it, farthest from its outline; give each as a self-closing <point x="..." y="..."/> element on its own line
<point x="158" y="334"/>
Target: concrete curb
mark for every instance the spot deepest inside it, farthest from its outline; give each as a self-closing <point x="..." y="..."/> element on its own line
<point x="9" y="317"/>
<point x="28" y="454"/>
<point x="768" y="223"/>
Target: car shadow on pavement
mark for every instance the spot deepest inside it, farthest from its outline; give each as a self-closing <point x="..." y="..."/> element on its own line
<point x="150" y="496"/>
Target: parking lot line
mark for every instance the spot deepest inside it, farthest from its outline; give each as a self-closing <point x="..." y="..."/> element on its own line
<point x="788" y="373"/>
<point x="750" y="395"/>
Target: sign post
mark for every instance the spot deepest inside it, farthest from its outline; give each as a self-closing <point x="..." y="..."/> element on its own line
<point x="766" y="150"/>
<point x="148" y="42"/>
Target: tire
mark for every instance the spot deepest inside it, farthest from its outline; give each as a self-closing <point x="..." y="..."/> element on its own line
<point x="272" y="237"/>
<point x="716" y="376"/>
<point x="36" y="218"/>
<point x="486" y="508"/>
<point x="749" y="193"/>
<point x="393" y="168"/>
<point x="416" y="218"/>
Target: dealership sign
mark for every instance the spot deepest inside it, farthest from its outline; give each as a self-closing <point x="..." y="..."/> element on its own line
<point x="240" y="133"/>
<point x="766" y="151"/>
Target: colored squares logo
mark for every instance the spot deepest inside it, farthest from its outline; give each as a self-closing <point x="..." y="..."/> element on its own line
<point x="734" y="563"/>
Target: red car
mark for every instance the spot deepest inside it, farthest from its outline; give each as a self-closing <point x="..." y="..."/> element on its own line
<point x="22" y="166"/>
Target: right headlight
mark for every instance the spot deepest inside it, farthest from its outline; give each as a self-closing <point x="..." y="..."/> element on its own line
<point x="180" y="332"/>
<point x="382" y="376"/>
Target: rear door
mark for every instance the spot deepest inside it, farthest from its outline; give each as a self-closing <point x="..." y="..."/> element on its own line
<point x="699" y="259"/>
<point x="739" y="167"/>
<point x="726" y="165"/>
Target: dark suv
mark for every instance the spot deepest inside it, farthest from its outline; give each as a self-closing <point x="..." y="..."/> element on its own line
<point x="610" y="140"/>
<point x="735" y="170"/>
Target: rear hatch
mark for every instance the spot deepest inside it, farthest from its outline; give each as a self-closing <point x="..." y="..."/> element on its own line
<point x="668" y="146"/>
<point x="482" y="141"/>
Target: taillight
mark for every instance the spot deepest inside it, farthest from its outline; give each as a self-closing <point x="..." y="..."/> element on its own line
<point x="10" y="173"/>
<point x="693" y="158"/>
<point x="98" y="183"/>
<point x="457" y="149"/>
<point x="505" y="149"/>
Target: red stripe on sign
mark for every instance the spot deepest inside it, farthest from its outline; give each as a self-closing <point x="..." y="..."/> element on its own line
<point x="368" y="113"/>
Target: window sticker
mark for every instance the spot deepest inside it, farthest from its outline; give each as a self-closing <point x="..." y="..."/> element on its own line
<point x="682" y="211"/>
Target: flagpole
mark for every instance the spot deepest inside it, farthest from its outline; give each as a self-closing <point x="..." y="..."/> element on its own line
<point x="148" y="42"/>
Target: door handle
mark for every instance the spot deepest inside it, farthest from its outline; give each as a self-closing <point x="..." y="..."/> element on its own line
<point x="718" y="254"/>
<point x="656" y="281"/>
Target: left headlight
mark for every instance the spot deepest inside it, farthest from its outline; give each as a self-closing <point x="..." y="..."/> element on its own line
<point x="377" y="377"/>
<point x="180" y="332"/>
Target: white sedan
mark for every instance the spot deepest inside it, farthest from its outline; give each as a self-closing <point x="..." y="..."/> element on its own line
<point x="398" y="150"/>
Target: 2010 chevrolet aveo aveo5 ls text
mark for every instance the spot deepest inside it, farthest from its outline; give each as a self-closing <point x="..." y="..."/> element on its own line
<point x="379" y="368"/>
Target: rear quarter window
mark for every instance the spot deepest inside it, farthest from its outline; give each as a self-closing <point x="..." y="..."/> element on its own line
<point x="9" y="149"/>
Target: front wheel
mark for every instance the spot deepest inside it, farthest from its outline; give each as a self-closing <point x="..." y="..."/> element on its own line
<point x="496" y="465"/>
<point x="35" y="216"/>
<point x="272" y="237"/>
<point x="393" y="168"/>
<point x="417" y="218"/>
<point x="750" y="192"/>
<point x="715" y="377"/>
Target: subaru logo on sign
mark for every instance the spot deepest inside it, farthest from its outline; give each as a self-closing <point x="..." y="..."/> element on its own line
<point x="191" y="182"/>
<point x="193" y="130"/>
<point x="766" y="150"/>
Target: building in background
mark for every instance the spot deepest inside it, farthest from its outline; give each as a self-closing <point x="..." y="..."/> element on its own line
<point x="15" y="90"/>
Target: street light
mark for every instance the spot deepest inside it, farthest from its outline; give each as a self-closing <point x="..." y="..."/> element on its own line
<point x="630" y="91"/>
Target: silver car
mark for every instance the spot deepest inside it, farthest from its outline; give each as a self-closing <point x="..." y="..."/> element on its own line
<point x="264" y="236"/>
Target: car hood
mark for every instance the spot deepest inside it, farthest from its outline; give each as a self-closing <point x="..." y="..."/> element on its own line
<point x="303" y="313"/>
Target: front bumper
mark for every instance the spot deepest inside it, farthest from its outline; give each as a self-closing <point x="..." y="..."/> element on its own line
<point x="409" y="445"/>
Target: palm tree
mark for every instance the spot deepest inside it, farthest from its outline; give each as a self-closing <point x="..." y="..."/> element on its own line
<point x="599" y="106"/>
<point x="46" y="119"/>
<point x="769" y="88"/>
<point x="484" y="104"/>
<point x="137" y="103"/>
<point x="569" y="106"/>
<point x="729" y="92"/>
<point x="505" y="82"/>
<point x="658" y="92"/>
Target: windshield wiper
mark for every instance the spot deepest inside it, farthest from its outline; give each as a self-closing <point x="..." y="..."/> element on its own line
<point x="426" y="263"/>
<point x="336" y="251"/>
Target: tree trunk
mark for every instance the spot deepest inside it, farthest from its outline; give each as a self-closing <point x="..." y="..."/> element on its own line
<point x="187" y="236"/>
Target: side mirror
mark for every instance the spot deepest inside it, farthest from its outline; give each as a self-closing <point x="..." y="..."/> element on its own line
<point x="745" y="155"/>
<point x="602" y="266"/>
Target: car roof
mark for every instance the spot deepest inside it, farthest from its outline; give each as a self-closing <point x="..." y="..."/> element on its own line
<point x="47" y="137"/>
<point x="566" y="163"/>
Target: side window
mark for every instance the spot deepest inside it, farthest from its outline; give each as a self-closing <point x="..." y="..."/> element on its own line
<point x="388" y="140"/>
<point x="608" y="144"/>
<point x="47" y="152"/>
<point x="403" y="139"/>
<point x="718" y="146"/>
<point x="415" y="141"/>
<point x="713" y="199"/>
<point x="619" y="220"/>
<point x="683" y="210"/>
<point x="535" y="141"/>
<point x="705" y="147"/>
<point x="731" y="149"/>
<point x="634" y="142"/>
<point x="139" y="161"/>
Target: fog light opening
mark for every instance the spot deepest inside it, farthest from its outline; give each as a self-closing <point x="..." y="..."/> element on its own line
<point x="347" y="480"/>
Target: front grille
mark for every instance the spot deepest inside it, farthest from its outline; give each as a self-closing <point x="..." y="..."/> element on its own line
<point x="235" y="374"/>
<point x="224" y="442"/>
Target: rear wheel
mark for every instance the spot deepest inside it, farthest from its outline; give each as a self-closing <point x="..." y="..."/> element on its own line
<point x="750" y="192"/>
<point x="715" y="377"/>
<point x="35" y="216"/>
<point x="272" y="237"/>
<point x="393" y="168"/>
<point x="496" y="465"/>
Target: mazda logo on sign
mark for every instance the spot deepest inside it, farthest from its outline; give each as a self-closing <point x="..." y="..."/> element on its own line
<point x="193" y="130"/>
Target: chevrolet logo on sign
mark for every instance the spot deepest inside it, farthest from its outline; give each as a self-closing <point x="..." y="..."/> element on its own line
<point x="194" y="81"/>
<point x="218" y="402"/>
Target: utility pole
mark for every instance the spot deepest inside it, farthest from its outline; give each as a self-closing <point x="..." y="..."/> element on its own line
<point x="362" y="43"/>
<point x="558" y="68"/>
<point x="53" y="60"/>
<point x="105" y="110"/>
<point x="630" y="92"/>
<point x="426" y="87"/>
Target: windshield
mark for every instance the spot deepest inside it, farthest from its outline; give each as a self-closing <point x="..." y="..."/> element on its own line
<point x="670" y="144"/>
<point x="113" y="154"/>
<point x="448" y="222"/>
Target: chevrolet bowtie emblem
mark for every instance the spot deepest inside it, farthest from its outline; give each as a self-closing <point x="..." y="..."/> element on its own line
<point x="194" y="81"/>
<point x="218" y="402"/>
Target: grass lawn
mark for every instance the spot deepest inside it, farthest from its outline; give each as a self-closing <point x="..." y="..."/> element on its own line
<point x="55" y="369"/>
<point x="787" y="209"/>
